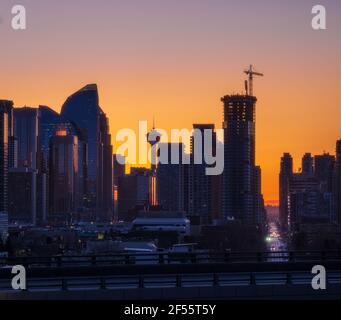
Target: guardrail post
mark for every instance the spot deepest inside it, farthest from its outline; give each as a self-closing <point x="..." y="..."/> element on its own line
<point x="178" y="281"/>
<point x="215" y="280"/>
<point x="252" y="279"/>
<point x="59" y="261"/>
<point x="289" y="278"/>
<point x="141" y="282"/>
<point x="64" y="284"/>
<point x="103" y="285"/>
<point x="161" y="258"/>
<point x="227" y="256"/>
<point x="126" y="258"/>
<point x="291" y="256"/>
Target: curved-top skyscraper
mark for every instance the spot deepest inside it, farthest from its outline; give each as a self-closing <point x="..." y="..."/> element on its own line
<point x="83" y="109"/>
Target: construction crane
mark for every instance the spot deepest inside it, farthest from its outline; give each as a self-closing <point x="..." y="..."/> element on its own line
<point x="249" y="84"/>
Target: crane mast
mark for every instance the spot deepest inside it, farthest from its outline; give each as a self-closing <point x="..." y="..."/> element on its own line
<point x="249" y="84"/>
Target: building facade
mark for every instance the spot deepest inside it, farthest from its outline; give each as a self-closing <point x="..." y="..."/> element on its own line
<point x="64" y="193"/>
<point x="286" y="172"/>
<point x="5" y="132"/>
<point x="239" y="198"/>
<point x="82" y="108"/>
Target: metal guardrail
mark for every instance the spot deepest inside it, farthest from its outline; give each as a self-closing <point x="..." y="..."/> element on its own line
<point x="161" y="258"/>
<point x="169" y="281"/>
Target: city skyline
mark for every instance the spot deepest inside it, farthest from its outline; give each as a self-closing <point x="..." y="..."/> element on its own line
<point x="186" y="71"/>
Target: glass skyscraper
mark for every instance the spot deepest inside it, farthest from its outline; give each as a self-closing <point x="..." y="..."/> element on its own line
<point x="82" y="108"/>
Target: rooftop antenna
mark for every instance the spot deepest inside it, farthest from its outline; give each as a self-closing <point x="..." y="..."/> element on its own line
<point x="250" y="72"/>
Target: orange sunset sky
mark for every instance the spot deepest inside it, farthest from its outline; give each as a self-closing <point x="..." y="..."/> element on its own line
<point x="175" y="59"/>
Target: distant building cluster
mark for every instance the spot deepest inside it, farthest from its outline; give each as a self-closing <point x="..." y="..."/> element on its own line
<point x="55" y="168"/>
<point x="234" y="195"/>
<point x="311" y="196"/>
<point x="59" y="170"/>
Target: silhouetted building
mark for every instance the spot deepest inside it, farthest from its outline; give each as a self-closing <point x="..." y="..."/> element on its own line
<point x="201" y="199"/>
<point x="50" y="121"/>
<point x="13" y="152"/>
<point x="170" y="178"/>
<point x="239" y="156"/>
<point x="259" y="206"/>
<point x="28" y="149"/>
<point x="105" y="172"/>
<point x="64" y="193"/>
<point x="82" y="108"/>
<point x="133" y="190"/>
<point x="323" y="171"/>
<point x="5" y="132"/>
<point x="306" y="203"/>
<point x="26" y="131"/>
<point x="119" y="167"/>
<point x="337" y="184"/>
<point x="286" y="172"/>
<point x="22" y="196"/>
<point x="307" y="164"/>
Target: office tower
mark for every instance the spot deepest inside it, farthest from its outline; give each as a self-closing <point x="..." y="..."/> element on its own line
<point x="13" y="152"/>
<point x="119" y="169"/>
<point x="133" y="190"/>
<point x="170" y="178"/>
<point x="307" y="164"/>
<point x="22" y="196"/>
<point x="5" y="131"/>
<point x="200" y="184"/>
<point x="286" y="172"/>
<point x="323" y="171"/>
<point x="105" y="183"/>
<point x="26" y="130"/>
<point x="239" y="158"/>
<point x="259" y="208"/>
<point x="64" y="194"/>
<point x="306" y="203"/>
<point x="27" y="143"/>
<point x="50" y="121"/>
<point x="337" y="185"/>
<point x="82" y="108"/>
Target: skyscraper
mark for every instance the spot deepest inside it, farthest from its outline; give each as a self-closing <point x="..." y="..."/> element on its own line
<point x="50" y="121"/>
<point x="323" y="171"/>
<point x="307" y="164"/>
<point x="239" y="157"/>
<point x="306" y="203"/>
<point x="26" y="166"/>
<point x="133" y="190"/>
<point x="259" y="207"/>
<point x="26" y="131"/>
<point x="22" y="195"/>
<point x="170" y="179"/>
<point x="5" y="131"/>
<point x="64" y="193"/>
<point x="82" y="108"/>
<point x="286" y="172"/>
<point x="200" y="184"/>
<point x="337" y="184"/>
